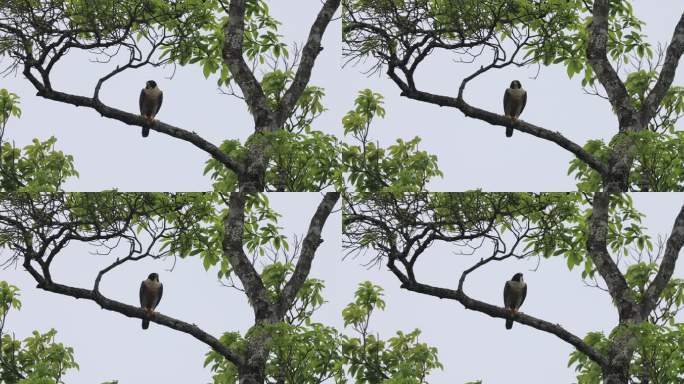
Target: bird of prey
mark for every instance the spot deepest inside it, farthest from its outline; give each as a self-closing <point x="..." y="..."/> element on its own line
<point x="151" y="291"/>
<point x="515" y="291"/>
<point x="514" y="102"/>
<point x="150" y="101"/>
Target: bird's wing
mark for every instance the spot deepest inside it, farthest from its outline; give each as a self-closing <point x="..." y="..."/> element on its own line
<point x="159" y="295"/>
<point x="507" y="294"/>
<point x="161" y="99"/>
<point x="523" y="294"/>
<point x="141" y="99"/>
<point x="142" y="293"/>
<point x="507" y="102"/>
<point x="524" y="101"/>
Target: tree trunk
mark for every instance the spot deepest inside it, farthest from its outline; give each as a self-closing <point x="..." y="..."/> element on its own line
<point x="619" y="356"/>
<point x="613" y="377"/>
<point x="251" y="375"/>
<point x="253" y="180"/>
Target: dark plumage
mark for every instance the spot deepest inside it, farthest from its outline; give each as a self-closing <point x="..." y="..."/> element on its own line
<point x="515" y="292"/>
<point x="151" y="290"/>
<point x="150" y="102"/>
<point x="514" y="102"/>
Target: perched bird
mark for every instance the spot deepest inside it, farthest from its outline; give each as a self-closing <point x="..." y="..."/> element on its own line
<point x="150" y="101"/>
<point x="514" y="102"/>
<point x="515" y="291"/>
<point x="151" y="291"/>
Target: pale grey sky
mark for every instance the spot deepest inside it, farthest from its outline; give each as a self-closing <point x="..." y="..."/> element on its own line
<point x="471" y="345"/>
<point x="475" y="346"/>
<point x="110" y="154"/>
<point x="110" y="346"/>
<point x="472" y="155"/>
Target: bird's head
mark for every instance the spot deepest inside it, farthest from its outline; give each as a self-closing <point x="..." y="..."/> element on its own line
<point x="515" y="84"/>
<point x="153" y="277"/>
<point x="151" y="84"/>
<point x="517" y="277"/>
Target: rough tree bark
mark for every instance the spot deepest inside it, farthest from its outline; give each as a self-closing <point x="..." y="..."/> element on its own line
<point x="38" y="249"/>
<point x="38" y="62"/>
<point x="402" y="243"/>
<point x="265" y="118"/>
<point x="252" y="371"/>
<point x="416" y="44"/>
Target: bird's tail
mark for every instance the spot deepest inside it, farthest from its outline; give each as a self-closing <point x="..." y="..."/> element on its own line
<point x="509" y="323"/>
<point x="145" y="324"/>
<point x="145" y="131"/>
<point x="509" y="131"/>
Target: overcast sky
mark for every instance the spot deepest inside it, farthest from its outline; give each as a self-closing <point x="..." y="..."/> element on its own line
<point x="471" y="345"/>
<point x="472" y="155"/>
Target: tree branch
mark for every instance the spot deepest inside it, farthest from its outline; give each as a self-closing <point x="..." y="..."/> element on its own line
<point x="233" y="234"/>
<point x="606" y="74"/>
<point x="137" y="312"/>
<point x="597" y="249"/>
<point x="499" y="312"/>
<point x="500" y="120"/>
<point x="674" y="52"/>
<point x="308" y="251"/>
<point x="667" y="266"/>
<point x="311" y="50"/>
<point x="134" y="120"/>
<point x="234" y="38"/>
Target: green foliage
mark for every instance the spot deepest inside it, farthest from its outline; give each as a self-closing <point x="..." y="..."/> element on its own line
<point x="305" y="352"/>
<point x="546" y="224"/>
<point x="568" y="45"/>
<point x="568" y="237"/>
<point x="547" y="31"/>
<point x="640" y="275"/>
<point x="204" y="45"/>
<point x="199" y="231"/>
<point x="9" y="106"/>
<point x="658" y="341"/>
<point x="304" y="159"/>
<point x="9" y="299"/>
<point x="299" y="158"/>
<point x="658" y="151"/>
<point x="402" y="359"/>
<point x="37" y="359"/>
<point x="38" y="167"/>
<point x="401" y="167"/>
<point x="657" y="357"/>
<point x="589" y="372"/>
<point x="658" y="162"/>
<point x="186" y="31"/>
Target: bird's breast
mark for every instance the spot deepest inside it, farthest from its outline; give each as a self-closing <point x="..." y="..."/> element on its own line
<point x="152" y="285"/>
<point x="152" y="93"/>
<point x="516" y="286"/>
<point x="516" y="93"/>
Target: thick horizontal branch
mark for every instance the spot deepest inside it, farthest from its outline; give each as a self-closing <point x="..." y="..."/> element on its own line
<point x="137" y="120"/>
<point x="500" y="120"/>
<point x="309" y="246"/>
<point x="137" y="312"/>
<point x="503" y="313"/>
